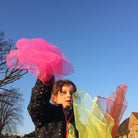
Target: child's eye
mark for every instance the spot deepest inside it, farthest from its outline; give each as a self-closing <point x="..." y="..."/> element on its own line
<point x="63" y="92"/>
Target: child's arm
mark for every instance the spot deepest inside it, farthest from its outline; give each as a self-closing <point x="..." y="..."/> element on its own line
<point x="39" y="103"/>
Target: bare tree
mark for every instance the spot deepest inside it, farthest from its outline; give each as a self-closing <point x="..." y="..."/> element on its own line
<point x="10" y="98"/>
<point x="10" y="110"/>
<point x="7" y="75"/>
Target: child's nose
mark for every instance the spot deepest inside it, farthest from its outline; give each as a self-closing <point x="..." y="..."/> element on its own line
<point x="69" y="94"/>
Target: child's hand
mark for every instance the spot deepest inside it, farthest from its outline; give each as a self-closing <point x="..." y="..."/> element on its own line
<point x="38" y="74"/>
<point x="48" y="79"/>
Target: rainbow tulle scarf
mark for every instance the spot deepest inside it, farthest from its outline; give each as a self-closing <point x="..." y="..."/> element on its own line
<point x="98" y="118"/>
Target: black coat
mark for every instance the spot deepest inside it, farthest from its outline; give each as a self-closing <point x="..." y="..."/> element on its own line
<point x="50" y="120"/>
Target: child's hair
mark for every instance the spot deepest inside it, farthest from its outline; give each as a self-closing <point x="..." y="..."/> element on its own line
<point x="58" y="87"/>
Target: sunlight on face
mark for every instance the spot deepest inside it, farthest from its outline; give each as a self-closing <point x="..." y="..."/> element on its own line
<point x="64" y="97"/>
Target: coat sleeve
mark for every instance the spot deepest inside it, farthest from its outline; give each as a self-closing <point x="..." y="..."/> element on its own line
<point x="39" y="103"/>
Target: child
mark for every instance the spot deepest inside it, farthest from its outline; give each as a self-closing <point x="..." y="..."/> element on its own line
<point x="44" y="60"/>
<point x="53" y="120"/>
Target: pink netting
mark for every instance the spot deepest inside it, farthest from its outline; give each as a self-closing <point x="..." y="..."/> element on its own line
<point x="115" y="105"/>
<point x="40" y="58"/>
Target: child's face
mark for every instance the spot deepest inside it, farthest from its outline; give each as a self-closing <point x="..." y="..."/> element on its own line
<point x="64" y="97"/>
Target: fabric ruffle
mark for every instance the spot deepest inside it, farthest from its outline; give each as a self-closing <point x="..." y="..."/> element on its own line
<point x="40" y="58"/>
<point x="94" y="118"/>
<point x="115" y="105"/>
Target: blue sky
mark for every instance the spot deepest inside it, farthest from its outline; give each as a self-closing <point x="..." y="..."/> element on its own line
<point x="99" y="37"/>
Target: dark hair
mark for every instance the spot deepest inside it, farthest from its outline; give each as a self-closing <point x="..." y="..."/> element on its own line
<point x="58" y="86"/>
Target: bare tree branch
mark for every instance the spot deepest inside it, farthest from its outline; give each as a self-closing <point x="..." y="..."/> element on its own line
<point x="8" y="75"/>
<point x="10" y="98"/>
<point x="10" y="110"/>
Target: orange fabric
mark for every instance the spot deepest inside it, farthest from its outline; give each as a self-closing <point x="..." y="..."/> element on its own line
<point x="115" y="105"/>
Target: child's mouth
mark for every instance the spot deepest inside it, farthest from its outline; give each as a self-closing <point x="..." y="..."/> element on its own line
<point x="69" y="101"/>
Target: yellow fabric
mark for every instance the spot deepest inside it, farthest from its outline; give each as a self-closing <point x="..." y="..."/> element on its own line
<point x="71" y="131"/>
<point x="90" y="119"/>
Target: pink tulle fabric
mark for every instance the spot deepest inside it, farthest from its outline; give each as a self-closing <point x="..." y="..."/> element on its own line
<point x="115" y="105"/>
<point x="40" y="58"/>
